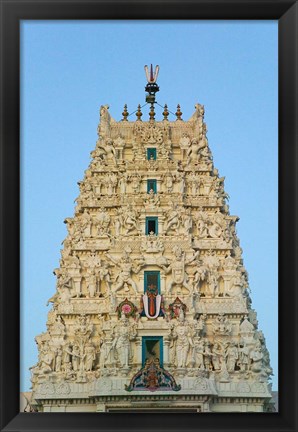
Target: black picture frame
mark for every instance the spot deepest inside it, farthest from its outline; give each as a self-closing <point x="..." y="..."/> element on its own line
<point x="286" y="12"/>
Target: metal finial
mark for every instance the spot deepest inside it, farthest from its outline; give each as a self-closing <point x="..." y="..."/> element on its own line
<point x="152" y="112"/>
<point x="151" y="86"/>
<point x="125" y="113"/>
<point x="139" y="113"/>
<point x="165" y="112"/>
<point x="178" y="113"/>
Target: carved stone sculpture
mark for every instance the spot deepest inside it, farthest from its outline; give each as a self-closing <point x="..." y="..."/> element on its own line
<point x="130" y="219"/>
<point x="151" y="291"/>
<point x="102" y="221"/>
<point x="232" y="356"/>
<point x="183" y="341"/>
<point x="177" y="268"/>
<point x="173" y="221"/>
<point x="127" y="267"/>
<point x="222" y="325"/>
<point x="124" y="332"/>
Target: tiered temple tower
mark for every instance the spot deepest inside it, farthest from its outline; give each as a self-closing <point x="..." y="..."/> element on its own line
<point x="152" y="306"/>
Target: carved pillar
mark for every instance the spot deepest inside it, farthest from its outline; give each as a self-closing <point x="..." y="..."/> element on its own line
<point x="166" y="352"/>
<point x="163" y="290"/>
<point x="192" y="352"/>
<point x="77" y="285"/>
<point x="100" y="407"/>
<point x="161" y="221"/>
<point x="143" y="185"/>
<point x="140" y="285"/>
<point x="158" y="185"/>
<point x="109" y="360"/>
<point x="206" y="407"/>
<point x="243" y="407"/>
<point x="142" y="224"/>
<point x="98" y="189"/>
<point x="137" y="354"/>
<point x="93" y="229"/>
<point x="119" y="153"/>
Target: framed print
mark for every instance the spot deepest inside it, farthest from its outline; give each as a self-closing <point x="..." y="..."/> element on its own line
<point x="151" y="318"/>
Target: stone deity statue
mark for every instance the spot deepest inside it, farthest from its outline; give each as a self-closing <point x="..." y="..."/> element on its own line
<point x="123" y="334"/>
<point x="127" y="267"/>
<point x="177" y="267"/>
<point x="183" y="341"/>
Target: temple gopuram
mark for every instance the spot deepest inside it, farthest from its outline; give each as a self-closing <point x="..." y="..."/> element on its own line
<point x="152" y="310"/>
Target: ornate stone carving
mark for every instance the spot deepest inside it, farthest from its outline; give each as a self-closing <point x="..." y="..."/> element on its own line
<point x="192" y="152"/>
<point x="256" y="357"/>
<point x="232" y="356"/>
<point x="102" y="221"/>
<point x="106" y="319"/>
<point x="201" y="384"/>
<point x="151" y="200"/>
<point x="177" y="268"/>
<point x="90" y="356"/>
<point x="63" y="389"/>
<point x="258" y="387"/>
<point x="131" y="220"/>
<point x="127" y="267"/>
<point x="153" y="377"/>
<point x="135" y="181"/>
<point x="198" y="114"/>
<point x="243" y="356"/>
<point x="168" y="181"/>
<point x="217" y="356"/>
<point x="151" y="134"/>
<point x="181" y="335"/>
<point x="221" y="325"/>
<point x="122" y="183"/>
<point x="152" y="244"/>
<point x="199" y="354"/>
<point x="111" y="181"/>
<point x="123" y="334"/>
<point x="47" y="389"/>
<point x="106" y="150"/>
<point x="175" y="307"/>
<point x="172" y="219"/>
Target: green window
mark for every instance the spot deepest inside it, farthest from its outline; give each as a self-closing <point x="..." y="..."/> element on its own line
<point x="151" y="184"/>
<point x="152" y="348"/>
<point x="152" y="280"/>
<point x="151" y="225"/>
<point x="151" y="153"/>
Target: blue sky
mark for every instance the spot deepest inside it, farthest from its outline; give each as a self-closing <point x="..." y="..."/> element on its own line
<point x="69" y="69"/>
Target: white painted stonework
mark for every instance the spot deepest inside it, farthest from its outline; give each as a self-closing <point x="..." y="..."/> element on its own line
<point x="211" y="346"/>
